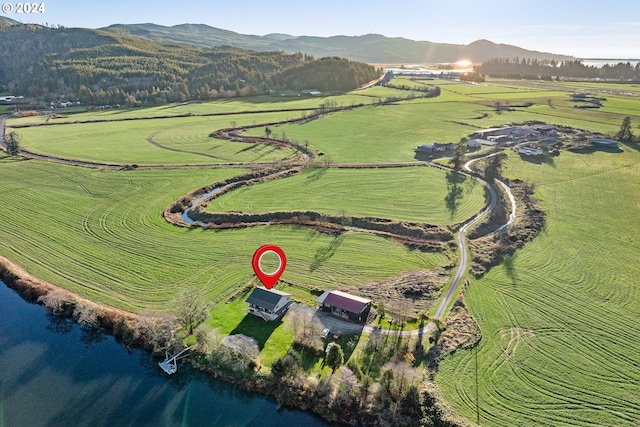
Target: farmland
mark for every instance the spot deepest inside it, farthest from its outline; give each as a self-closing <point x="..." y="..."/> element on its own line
<point x="558" y="319"/>
<point x="410" y="194"/>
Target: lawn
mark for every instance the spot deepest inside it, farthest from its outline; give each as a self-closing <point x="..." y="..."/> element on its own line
<point x="274" y="338"/>
<point x="559" y="319"/>
<point x="420" y="194"/>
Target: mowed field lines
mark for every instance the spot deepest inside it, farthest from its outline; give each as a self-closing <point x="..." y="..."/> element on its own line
<point x="561" y="341"/>
<point x="420" y="194"/>
<point x="101" y="234"/>
<point x="173" y="141"/>
<point x="560" y="318"/>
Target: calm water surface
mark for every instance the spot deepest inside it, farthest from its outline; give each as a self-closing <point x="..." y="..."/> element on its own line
<point x="54" y="374"/>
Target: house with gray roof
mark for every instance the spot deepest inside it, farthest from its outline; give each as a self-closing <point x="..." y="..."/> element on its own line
<point x="268" y="304"/>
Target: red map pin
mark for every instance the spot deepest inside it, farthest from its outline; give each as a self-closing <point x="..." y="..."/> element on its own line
<point x="269" y="279"/>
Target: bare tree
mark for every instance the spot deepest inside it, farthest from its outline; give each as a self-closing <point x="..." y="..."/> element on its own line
<point x="58" y="301"/>
<point x="190" y="309"/>
<point x="155" y="329"/>
<point x="86" y="315"/>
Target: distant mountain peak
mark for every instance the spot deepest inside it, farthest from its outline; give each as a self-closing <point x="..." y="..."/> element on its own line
<point x="371" y="48"/>
<point x="8" y="21"/>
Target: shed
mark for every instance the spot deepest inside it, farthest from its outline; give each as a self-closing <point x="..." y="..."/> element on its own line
<point x="345" y="305"/>
<point x="487" y="132"/>
<point x="474" y="143"/>
<point x="603" y="142"/>
<point x="268" y="304"/>
<point x="424" y="148"/>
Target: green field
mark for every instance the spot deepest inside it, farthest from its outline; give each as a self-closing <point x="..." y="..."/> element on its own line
<point x="153" y="142"/>
<point x="101" y="234"/>
<point x="413" y="194"/>
<point x="559" y="318"/>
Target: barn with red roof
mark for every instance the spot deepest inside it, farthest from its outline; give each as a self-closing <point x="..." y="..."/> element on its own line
<point x="345" y="305"/>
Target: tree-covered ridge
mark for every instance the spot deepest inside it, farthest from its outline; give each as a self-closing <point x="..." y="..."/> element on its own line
<point x="534" y="68"/>
<point x="99" y="67"/>
<point x="327" y="74"/>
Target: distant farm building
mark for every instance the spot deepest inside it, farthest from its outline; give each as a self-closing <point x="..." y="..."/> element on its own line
<point x="529" y="151"/>
<point x="605" y="143"/>
<point x="345" y="305"/>
<point x="11" y="98"/>
<point x="499" y="139"/>
<point x="477" y="142"/>
<point x="268" y="304"/>
<point x="434" y="148"/>
<point x="509" y="135"/>
<point x="474" y="143"/>
<point x="485" y="133"/>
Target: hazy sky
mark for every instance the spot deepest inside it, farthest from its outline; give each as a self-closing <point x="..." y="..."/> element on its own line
<point x="583" y="28"/>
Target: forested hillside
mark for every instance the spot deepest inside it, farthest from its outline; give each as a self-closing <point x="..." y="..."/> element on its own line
<point x="326" y="74"/>
<point x="99" y="67"/>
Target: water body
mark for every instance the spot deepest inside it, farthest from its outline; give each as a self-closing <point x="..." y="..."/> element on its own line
<point x="54" y="374"/>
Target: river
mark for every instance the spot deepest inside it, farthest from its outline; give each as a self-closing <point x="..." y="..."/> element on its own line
<point x="52" y="373"/>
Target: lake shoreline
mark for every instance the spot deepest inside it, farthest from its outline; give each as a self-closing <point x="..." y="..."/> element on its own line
<point x="32" y="289"/>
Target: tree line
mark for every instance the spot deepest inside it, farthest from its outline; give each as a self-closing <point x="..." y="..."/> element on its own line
<point x="547" y="69"/>
<point x="98" y="68"/>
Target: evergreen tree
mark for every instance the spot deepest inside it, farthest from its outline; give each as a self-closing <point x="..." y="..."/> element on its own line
<point x="493" y="166"/>
<point x="410" y="405"/>
<point x="457" y="159"/>
<point x="335" y="358"/>
<point x="625" y="134"/>
<point x="13" y="143"/>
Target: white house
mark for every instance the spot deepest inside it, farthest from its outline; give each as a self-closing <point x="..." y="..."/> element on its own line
<point x="268" y="304"/>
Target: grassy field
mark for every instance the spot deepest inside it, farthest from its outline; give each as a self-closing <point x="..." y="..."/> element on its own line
<point x="112" y="245"/>
<point x="224" y="106"/>
<point x="413" y="194"/>
<point x="559" y="319"/>
<point x="148" y="142"/>
<point x="382" y="133"/>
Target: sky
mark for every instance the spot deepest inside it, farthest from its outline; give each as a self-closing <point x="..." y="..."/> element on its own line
<point x="582" y="28"/>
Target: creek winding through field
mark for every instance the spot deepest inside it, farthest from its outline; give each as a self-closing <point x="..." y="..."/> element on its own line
<point x="304" y="158"/>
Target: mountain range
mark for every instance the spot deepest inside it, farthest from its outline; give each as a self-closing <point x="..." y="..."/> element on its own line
<point x="370" y="48"/>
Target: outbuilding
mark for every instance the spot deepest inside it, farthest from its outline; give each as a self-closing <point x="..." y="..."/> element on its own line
<point x="603" y="142"/>
<point x="268" y="304"/>
<point x="345" y="305"/>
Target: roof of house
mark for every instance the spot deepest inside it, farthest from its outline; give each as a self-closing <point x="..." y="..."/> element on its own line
<point x="266" y="298"/>
<point x="343" y="300"/>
